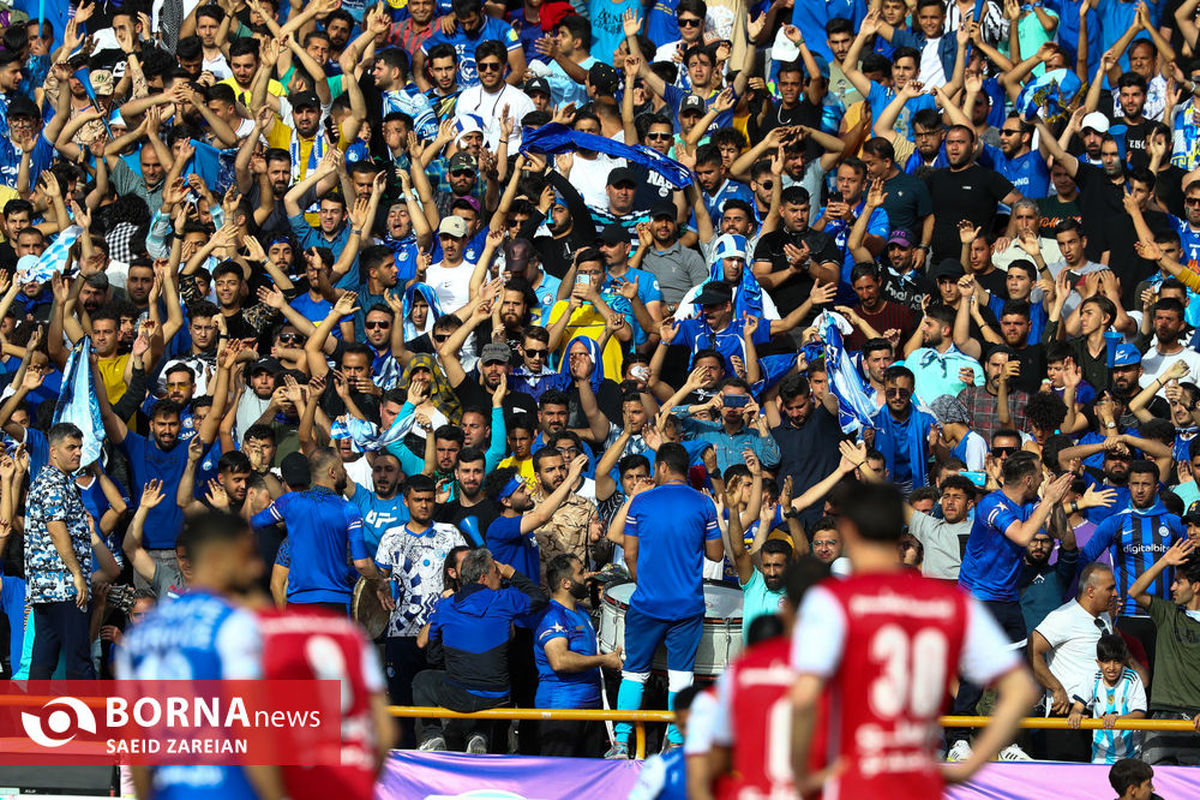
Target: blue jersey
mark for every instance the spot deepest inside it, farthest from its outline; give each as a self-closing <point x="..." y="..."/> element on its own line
<point x="200" y="636"/>
<point x="880" y="96"/>
<point x="510" y="546"/>
<point x="992" y="563"/>
<point x="671" y="522"/>
<point x="148" y="461"/>
<point x="839" y="229"/>
<point x="322" y="528"/>
<point x="1028" y="173"/>
<point x="729" y="190"/>
<point x="379" y="516"/>
<point x="566" y="689"/>
<point x="695" y="334"/>
<point x="1190" y="241"/>
<point x="1135" y="538"/>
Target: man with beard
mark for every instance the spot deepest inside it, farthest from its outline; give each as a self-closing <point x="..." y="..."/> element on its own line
<point x="492" y="98"/>
<point x="161" y="458"/>
<point x="843" y="212"/>
<point x="983" y="402"/>
<point x="511" y="535"/>
<point x="180" y="384"/>
<point x="523" y="260"/>
<point x="874" y="314"/>
<point x="391" y="79"/>
<point x="568" y="662"/>
<point x="877" y="356"/>
<point x="570" y="527"/>
<point x="939" y="366"/>
<point x="470" y="510"/>
<point x="322" y="527"/>
<point x="964" y="190"/>
<point x="443" y="89"/>
<point x="267" y="175"/>
<point x="944" y="539"/>
<point x="807" y="438"/>
<point x="1115" y="468"/>
<point x="676" y="268"/>
<point x="411" y="556"/>
<point x="1164" y="350"/>
<point x="202" y="357"/>
<point x="1015" y="159"/>
<point x="331" y="230"/>
<point x="472" y="27"/>
<point x="789" y="261"/>
<point x="383" y="507"/>
<point x="226" y="493"/>
<point x="491" y="373"/>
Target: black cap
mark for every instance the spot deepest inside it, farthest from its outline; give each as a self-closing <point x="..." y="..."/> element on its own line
<point x="271" y="365"/>
<point x="613" y="234"/>
<point x="604" y="78"/>
<point x="537" y="85"/>
<point x="621" y="175"/>
<point x="693" y="102"/>
<point x="663" y="209"/>
<point x="295" y="470"/>
<point x="949" y="268"/>
<point x="714" y="294"/>
<point x="22" y="106"/>
<point x="304" y="100"/>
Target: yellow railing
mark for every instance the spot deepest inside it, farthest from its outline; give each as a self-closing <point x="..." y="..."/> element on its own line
<point x="640" y="718"/>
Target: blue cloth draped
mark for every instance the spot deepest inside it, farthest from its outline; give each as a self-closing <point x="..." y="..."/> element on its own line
<point x="597" y="360"/>
<point x="554" y="138"/>
<point x="855" y="407"/>
<point x="435" y="308"/>
<point x="77" y="402"/>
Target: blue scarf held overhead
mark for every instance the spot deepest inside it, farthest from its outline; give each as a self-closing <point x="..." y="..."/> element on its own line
<point x="554" y="138"/>
<point x="78" y="404"/>
<point x="855" y="406"/>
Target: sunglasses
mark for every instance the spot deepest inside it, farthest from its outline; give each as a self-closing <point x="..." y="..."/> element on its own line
<point x="898" y="391"/>
<point x="1191" y="201"/>
<point x="440" y="337"/>
<point x="531" y="353"/>
<point x="464" y="173"/>
<point x="768" y="185"/>
<point x="659" y="136"/>
<point x="488" y="66"/>
<point x="689" y="23"/>
<point x="1003" y="451"/>
<point x="289" y="337"/>
<point x="377" y="325"/>
<point x="1004" y="132"/>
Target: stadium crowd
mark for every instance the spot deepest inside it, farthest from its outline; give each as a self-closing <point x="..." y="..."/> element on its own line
<point x="489" y="309"/>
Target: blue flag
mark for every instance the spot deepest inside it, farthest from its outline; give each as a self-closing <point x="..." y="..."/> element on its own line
<point x="855" y="407"/>
<point x="78" y="404"/>
<point x="554" y="138"/>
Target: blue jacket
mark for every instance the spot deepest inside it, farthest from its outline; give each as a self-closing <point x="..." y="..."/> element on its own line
<point x="470" y="630"/>
<point x="947" y="47"/>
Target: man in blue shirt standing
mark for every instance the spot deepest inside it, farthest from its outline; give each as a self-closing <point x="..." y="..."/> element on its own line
<point x="510" y="536"/>
<point x="321" y="526"/>
<point x="669" y="531"/>
<point x="472" y="28"/>
<point x="1005" y="523"/>
<point x="568" y="662"/>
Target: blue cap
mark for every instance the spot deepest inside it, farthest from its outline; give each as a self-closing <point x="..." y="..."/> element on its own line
<point x="1127" y="356"/>
<point x="822" y="66"/>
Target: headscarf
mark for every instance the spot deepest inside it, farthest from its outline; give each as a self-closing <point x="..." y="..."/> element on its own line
<point x="441" y="395"/>
<point x="747" y="294"/>
<point x="593" y="348"/>
<point x="948" y="409"/>
<point x="435" y="309"/>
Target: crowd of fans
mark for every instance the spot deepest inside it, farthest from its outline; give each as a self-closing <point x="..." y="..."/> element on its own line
<point x="320" y="282"/>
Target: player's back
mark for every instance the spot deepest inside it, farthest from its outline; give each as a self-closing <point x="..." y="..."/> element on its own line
<point x="901" y="645"/>
<point x="200" y="636"/>
<point x="754" y="720"/>
<point x="314" y="645"/>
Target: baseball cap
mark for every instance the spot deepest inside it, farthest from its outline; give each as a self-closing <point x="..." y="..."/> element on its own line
<point x="621" y="175"/>
<point x="1192" y="517"/>
<point x="730" y="245"/>
<point x="660" y="210"/>
<point x="1096" y="121"/>
<point x="304" y="100"/>
<point x="453" y="225"/>
<point x="714" y="294"/>
<point x="495" y="351"/>
<point x="693" y="103"/>
<point x="1127" y="355"/>
<point x="900" y="237"/>
<point x="949" y="268"/>
<point x="102" y="81"/>
<point x="604" y="78"/>
<point x="97" y="281"/>
<point x="537" y="85"/>
<point x="462" y="161"/>
<point x="270" y="365"/>
<point x="295" y="470"/>
<point x="22" y="106"/>
<point x="613" y="234"/>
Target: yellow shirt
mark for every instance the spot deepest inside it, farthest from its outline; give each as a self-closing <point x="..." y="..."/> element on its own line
<point x="243" y="95"/>
<point x="524" y="467"/>
<point x="112" y="373"/>
<point x="587" y="321"/>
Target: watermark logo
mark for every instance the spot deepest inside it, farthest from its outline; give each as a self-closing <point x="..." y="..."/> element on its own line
<point x="69" y="713"/>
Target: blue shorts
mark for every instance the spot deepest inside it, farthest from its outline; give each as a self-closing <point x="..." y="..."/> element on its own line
<point x="644" y="633"/>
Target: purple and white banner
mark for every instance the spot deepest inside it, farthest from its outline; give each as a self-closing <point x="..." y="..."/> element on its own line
<point x="411" y="775"/>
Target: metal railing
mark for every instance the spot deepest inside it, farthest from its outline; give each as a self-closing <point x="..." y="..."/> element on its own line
<point x="641" y="718"/>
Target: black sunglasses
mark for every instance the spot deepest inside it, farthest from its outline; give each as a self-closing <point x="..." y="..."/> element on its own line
<point x="488" y="66"/>
<point x="440" y="337"/>
<point x="897" y="391"/>
<point x="1003" y="451"/>
<point x="382" y="323"/>
<point x="689" y="23"/>
<point x="536" y="353"/>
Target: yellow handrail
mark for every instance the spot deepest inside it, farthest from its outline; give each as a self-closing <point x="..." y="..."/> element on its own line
<point x="641" y="718"/>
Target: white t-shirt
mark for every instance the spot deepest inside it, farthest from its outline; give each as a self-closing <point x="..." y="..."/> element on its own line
<point x="451" y="284"/>
<point x="490" y="108"/>
<point x="932" y="72"/>
<point x="1072" y="633"/>
<point x="590" y="176"/>
<point x="1154" y="364"/>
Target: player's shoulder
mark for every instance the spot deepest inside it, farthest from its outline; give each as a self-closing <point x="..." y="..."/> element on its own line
<point x="767" y="654"/>
<point x="309" y="622"/>
<point x="866" y="594"/>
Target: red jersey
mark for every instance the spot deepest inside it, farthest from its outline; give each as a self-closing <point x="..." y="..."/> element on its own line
<point x="889" y="645"/>
<point x="316" y="645"/>
<point x="754" y="720"/>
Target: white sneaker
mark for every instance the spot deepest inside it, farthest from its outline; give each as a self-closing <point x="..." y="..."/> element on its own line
<point x="1013" y="753"/>
<point x="959" y="751"/>
<point x="477" y="744"/>
<point x="436" y="744"/>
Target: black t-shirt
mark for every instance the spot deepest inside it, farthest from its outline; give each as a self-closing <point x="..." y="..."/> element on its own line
<point x="1168" y="186"/>
<point x="1033" y="368"/>
<point x="790" y="294"/>
<point x="472" y="521"/>
<point x="907" y="202"/>
<point x="995" y="282"/>
<point x="472" y="395"/>
<point x="1100" y="201"/>
<point x="971" y="194"/>
<point x="1135" y="143"/>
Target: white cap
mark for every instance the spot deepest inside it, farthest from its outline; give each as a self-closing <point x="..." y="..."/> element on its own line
<point x="730" y="245"/>
<point x="1096" y="121"/>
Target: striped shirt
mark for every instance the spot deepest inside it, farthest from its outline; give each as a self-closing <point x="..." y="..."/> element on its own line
<point x="1127" y="696"/>
<point x="1136" y="538"/>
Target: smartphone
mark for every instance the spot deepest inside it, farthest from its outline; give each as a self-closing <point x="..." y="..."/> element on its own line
<point x="977" y="478"/>
<point x="736" y="400"/>
<point x="584" y="279"/>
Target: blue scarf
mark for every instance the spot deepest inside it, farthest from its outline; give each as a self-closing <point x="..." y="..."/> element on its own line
<point x="554" y="138"/>
<point x="597" y="361"/>
<point x="435" y="309"/>
<point x="890" y="439"/>
<point x="747" y="294"/>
